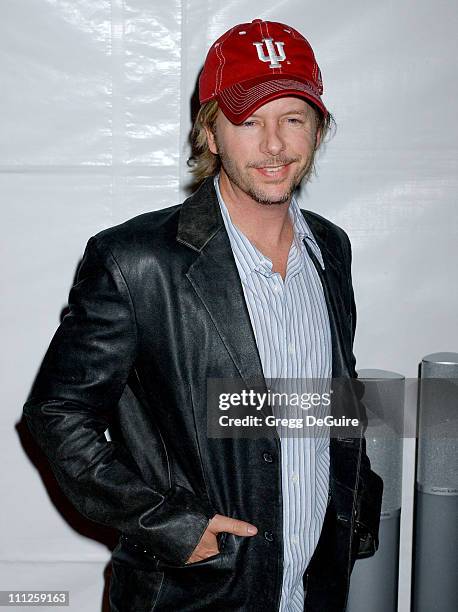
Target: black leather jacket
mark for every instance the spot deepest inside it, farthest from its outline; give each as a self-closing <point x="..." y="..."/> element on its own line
<point x="157" y="309"/>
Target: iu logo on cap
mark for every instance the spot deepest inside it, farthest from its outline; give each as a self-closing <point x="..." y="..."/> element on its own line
<point x="272" y="56"/>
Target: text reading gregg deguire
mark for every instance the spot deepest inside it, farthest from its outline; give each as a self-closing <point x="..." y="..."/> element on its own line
<point x="257" y="401"/>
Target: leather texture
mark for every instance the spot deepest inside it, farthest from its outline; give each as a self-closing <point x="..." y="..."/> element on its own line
<point x="157" y="309"/>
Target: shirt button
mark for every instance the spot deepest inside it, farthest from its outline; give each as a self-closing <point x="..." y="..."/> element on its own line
<point x="295" y="540"/>
<point x="267" y="457"/>
<point x="269" y="536"/>
<point x="291" y="350"/>
<point x="295" y="478"/>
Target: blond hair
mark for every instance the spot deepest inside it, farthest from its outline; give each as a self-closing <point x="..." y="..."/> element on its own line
<point x="203" y="163"/>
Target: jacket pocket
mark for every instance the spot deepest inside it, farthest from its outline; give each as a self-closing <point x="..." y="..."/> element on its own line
<point x="223" y="560"/>
<point x="206" y="584"/>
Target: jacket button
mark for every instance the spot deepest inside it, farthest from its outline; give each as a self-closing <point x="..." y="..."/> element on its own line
<point x="267" y="457"/>
<point x="269" y="536"/>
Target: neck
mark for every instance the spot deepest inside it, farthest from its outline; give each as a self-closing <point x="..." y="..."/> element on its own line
<point x="267" y="226"/>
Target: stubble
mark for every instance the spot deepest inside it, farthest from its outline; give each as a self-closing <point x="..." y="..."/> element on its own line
<point x="247" y="184"/>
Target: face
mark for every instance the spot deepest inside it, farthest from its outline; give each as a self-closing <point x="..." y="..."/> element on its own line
<point x="266" y="157"/>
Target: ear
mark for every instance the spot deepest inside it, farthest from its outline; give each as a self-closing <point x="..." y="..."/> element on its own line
<point x="211" y="141"/>
<point x="318" y="138"/>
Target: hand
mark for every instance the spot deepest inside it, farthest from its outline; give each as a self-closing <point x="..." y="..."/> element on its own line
<point x="208" y="544"/>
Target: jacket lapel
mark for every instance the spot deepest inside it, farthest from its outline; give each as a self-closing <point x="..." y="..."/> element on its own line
<point x="331" y="281"/>
<point x="215" y="278"/>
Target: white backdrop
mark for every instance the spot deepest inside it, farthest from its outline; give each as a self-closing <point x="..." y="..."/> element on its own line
<point x="95" y="116"/>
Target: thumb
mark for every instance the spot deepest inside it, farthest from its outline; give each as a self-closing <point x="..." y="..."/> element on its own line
<point x="231" y="525"/>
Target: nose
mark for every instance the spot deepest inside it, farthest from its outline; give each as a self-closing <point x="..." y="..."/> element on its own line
<point x="272" y="141"/>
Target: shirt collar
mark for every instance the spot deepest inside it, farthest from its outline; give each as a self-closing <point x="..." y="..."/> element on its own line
<point x="248" y="258"/>
<point x="302" y="231"/>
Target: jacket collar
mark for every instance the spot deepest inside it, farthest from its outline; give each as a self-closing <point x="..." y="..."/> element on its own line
<point x="200" y="219"/>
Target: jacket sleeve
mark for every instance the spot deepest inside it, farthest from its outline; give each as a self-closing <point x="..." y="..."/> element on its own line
<point x="79" y="384"/>
<point x="369" y="502"/>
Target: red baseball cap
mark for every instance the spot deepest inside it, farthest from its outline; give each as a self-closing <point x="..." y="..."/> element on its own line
<point x="254" y="63"/>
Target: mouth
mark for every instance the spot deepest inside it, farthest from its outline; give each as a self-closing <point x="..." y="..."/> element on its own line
<point x="274" y="171"/>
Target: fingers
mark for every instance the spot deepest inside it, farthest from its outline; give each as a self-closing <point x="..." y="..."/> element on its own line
<point x="207" y="547"/>
<point x="231" y="525"/>
<point x="208" y="544"/>
<point x="201" y="557"/>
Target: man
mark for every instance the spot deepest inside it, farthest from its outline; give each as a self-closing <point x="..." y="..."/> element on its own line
<point x="236" y="283"/>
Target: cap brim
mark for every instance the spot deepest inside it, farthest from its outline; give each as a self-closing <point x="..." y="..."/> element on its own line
<point x="241" y="100"/>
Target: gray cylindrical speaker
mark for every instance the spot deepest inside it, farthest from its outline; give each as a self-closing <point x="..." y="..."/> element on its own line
<point x="374" y="581"/>
<point x="435" y="575"/>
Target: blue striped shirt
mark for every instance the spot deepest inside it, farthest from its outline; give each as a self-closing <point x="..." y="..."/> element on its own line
<point x="291" y="326"/>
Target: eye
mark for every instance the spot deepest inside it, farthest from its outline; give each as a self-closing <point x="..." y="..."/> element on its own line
<point x="249" y="123"/>
<point x="294" y="121"/>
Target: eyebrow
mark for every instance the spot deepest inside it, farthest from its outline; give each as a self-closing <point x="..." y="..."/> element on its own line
<point x="295" y="112"/>
<point x="290" y="112"/>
